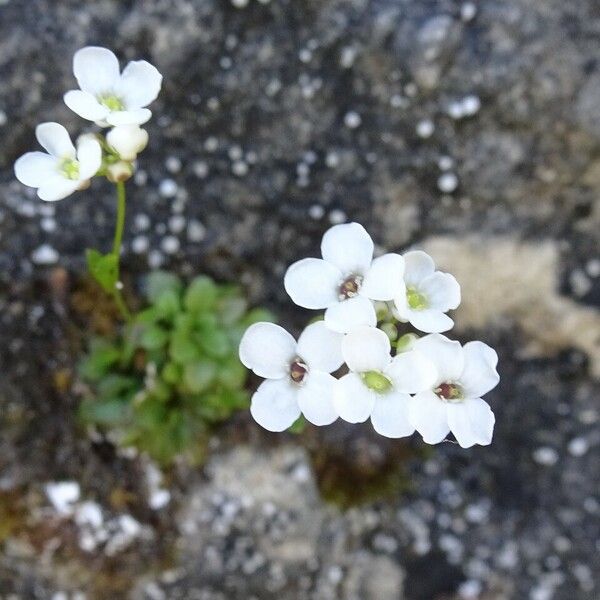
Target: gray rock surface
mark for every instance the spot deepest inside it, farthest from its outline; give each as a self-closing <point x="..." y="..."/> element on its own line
<point x="468" y="128"/>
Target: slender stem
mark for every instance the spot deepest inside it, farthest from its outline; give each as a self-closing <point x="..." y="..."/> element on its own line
<point x="121" y="201"/>
<point x="120" y="218"/>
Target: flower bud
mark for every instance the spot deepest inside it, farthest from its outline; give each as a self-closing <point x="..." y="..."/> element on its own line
<point x="127" y="140"/>
<point x="120" y="171"/>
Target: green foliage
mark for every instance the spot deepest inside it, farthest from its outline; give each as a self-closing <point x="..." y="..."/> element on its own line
<point x="104" y="268"/>
<point x="175" y="372"/>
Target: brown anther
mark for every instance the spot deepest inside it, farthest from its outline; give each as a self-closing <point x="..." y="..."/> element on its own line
<point x="450" y="392"/>
<point x="298" y="371"/>
<point x="350" y="287"/>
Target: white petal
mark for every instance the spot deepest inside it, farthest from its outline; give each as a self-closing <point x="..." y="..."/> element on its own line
<point x="385" y="278"/>
<point x="274" y="405"/>
<point x="136" y="116"/>
<point x="315" y="398"/>
<point x="352" y="399"/>
<point x="96" y="70"/>
<point x="479" y="375"/>
<point x="267" y="349"/>
<point x="85" y="105"/>
<point x="55" y="139"/>
<point x="34" y="168"/>
<point x="321" y="348"/>
<point x="366" y="349"/>
<point x="412" y="372"/>
<point x="349" y="247"/>
<point x="57" y="187"/>
<point x="89" y="155"/>
<point x="417" y="266"/>
<point x="347" y="315"/>
<point x="447" y="356"/>
<point x="313" y="283"/>
<point x="429" y="320"/>
<point x="427" y="413"/>
<point x="441" y="290"/>
<point x="471" y="422"/>
<point x="390" y="415"/>
<point x="139" y="84"/>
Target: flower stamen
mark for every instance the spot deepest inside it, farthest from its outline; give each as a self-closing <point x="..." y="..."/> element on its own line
<point x="376" y="381"/>
<point x="415" y="299"/>
<point x="350" y="287"/>
<point x="69" y="167"/>
<point x="450" y="392"/>
<point x="111" y="102"/>
<point x="298" y="370"/>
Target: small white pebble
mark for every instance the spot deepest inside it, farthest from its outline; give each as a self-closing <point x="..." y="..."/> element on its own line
<point x="155" y="259"/>
<point x="211" y="144"/>
<point x="196" y="232"/>
<point x="140" y="244"/>
<point x="168" y="188"/>
<point x="425" y="128"/>
<point x="352" y="120"/>
<point x="62" y="495"/>
<point x="48" y="224"/>
<point x="170" y="244"/>
<point x="592" y="267"/>
<point x="468" y="11"/>
<point x="200" y="169"/>
<point x="316" y="212"/>
<point x="239" y="168"/>
<point x="578" y="446"/>
<point x="471" y="105"/>
<point x="173" y="164"/>
<point x="447" y="183"/>
<point x="337" y="216"/>
<point x="240" y="3"/>
<point x="445" y="163"/>
<point x="141" y="222"/>
<point x="44" y="255"/>
<point x="177" y="223"/>
<point x="3" y="118"/>
<point x="545" y="456"/>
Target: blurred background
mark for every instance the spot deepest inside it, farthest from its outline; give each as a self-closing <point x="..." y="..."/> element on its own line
<point x="469" y="129"/>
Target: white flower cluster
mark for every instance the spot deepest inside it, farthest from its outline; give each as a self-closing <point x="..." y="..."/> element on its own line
<point x="110" y="99"/>
<point x="429" y="384"/>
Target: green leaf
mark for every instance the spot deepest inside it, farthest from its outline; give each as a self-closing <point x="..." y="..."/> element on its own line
<point x="232" y="310"/>
<point x="201" y="294"/>
<point x="256" y="315"/>
<point x="167" y="304"/>
<point x="198" y="376"/>
<point x="116" y="385"/>
<point x="161" y="281"/>
<point x="101" y="357"/>
<point x="104" y="268"/>
<point x="232" y="374"/>
<point x="215" y="343"/>
<point x="172" y="373"/>
<point x="182" y="349"/>
<point x="111" y="411"/>
<point x="153" y="337"/>
<point x="299" y="425"/>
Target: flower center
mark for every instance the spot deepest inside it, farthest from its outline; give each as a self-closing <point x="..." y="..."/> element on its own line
<point x="415" y="299"/>
<point x="298" y="370"/>
<point x="111" y="102"/>
<point x="376" y="381"/>
<point x="69" y="167"/>
<point x="349" y="287"/>
<point x="450" y="392"/>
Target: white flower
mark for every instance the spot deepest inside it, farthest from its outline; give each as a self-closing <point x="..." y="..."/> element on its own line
<point x="453" y="403"/>
<point x="347" y="278"/>
<point x="298" y="374"/>
<point x="127" y="140"/>
<point x="64" y="169"/>
<point x="378" y="385"/>
<point x="108" y="96"/>
<point x="428" y="294"/>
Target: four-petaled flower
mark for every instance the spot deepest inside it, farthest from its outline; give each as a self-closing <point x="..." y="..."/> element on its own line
<point x="107" y="96"/>
<point x="297" y="374"/>
<point x="346" y="279"/>
<point x="453" y="403"/>
<point x="427" y="294"/>
<point x="378" y="386"/>
<point x="63" y="169"/>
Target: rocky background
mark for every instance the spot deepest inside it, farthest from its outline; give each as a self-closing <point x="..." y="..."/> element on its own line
<point x="470" y="129"/>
